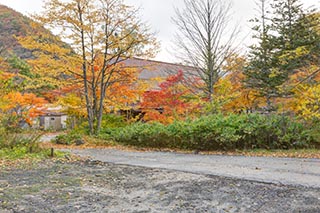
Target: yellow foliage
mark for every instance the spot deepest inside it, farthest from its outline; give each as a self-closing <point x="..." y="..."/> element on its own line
<point x="308" y="101"/>
<point x="232" y="95"/>
<point x="52" y="59"/>
<point x="74" y="105"/>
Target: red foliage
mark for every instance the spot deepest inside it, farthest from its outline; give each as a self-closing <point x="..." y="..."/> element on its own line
<point x="166" y="104"/>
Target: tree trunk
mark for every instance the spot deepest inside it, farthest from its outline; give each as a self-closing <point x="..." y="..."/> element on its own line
<point x="269" y="104"/>
<point x="100" y="110"/>
<point x="84" y="70"/>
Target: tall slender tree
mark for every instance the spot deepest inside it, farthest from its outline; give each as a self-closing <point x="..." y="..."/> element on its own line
<point x="103" y="33"/>
<point x="260" y="72"/>
<point x="205" y="40"/>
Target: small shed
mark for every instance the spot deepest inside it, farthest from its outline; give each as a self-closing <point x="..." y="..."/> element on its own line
<point x="53" y="121"/>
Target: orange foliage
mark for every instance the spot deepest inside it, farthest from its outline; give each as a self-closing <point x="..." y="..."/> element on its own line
<point x="237" y="98"/>
<point x="24" y="106"/>
<point x="123" y="91"/>
<point x="241" y="98"/>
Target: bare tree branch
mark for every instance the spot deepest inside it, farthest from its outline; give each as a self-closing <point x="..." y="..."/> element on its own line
<point x="203" y="40"/>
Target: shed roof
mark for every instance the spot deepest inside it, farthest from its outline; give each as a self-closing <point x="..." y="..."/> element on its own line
<point x="50" y="113"/>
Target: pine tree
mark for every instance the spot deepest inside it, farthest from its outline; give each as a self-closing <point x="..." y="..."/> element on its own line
<point x="287" y="41"/>
<point x="260" y="73"/>
<point x="294" y="29"/>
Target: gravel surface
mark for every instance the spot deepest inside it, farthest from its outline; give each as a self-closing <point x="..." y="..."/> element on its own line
<point x="287" y="171"/>
<point x="49" y="136"/>
<point x="93" y="186"/>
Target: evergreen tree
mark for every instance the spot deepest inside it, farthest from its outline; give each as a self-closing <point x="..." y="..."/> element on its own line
<point x="286" y="41"/>
<point x="295" y="37"/>
<point x="260" y="72"/>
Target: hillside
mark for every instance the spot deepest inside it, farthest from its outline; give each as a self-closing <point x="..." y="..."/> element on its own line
<point x="35" y="69"/>
<point x="12" y="24"/>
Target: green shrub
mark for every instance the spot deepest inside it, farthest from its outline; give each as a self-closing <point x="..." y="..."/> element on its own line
<point x="14" y="144"/>
<point x="17" y="143"/>
<point x="142" y="134"/>
<point x="218" y="132"/>
<point x="313" y="131"/>
<point x="113" y="121"/>
<point x="10" y="140"/>
<point x="68" y="139"/>
<point x="110" y="124"/>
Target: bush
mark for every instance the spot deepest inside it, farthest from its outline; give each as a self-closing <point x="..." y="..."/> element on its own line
<point x="113" y="121"/>
<point x="218" y="132"/>
<point x="13" y="140"/>
<point x="68" y="139"/>
<point x="140" y="134"/>
<point x="17" y="143"/>
<point x="313" y="131"/>
<point x="110" y="123"/>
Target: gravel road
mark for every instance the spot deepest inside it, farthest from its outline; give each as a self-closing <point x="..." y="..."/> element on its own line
<point x="286" y="171"/>
<point x="92" y="186"/>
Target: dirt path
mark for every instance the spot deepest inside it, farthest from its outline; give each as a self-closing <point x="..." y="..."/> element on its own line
<point x="91" y="186"/>
<point x="287" y="171"/>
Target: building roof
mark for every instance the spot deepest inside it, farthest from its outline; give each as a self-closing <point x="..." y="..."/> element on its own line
<point x="53" y="111"/>
<point x="154" y="69"/>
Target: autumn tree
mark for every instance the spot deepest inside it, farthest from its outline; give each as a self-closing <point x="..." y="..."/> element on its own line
<point x="13" y="72"/>
<point x="307" y="103"/>
<point x="21" y="108"/>
<point x="305" y="81"/>
<point x="103" y="33"/>
<point x="204" y="40"/>
<point x="123" y="94"/>
<point x="232" y="94"/>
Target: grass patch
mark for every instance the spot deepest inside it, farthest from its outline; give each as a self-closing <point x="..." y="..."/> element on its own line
<point x="24" y="152"/>
<point x="20" y="157"/>
<point x="89" y="141"/>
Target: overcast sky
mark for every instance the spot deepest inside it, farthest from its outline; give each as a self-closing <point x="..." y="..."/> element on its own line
<point x="158" y="14"/>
